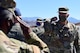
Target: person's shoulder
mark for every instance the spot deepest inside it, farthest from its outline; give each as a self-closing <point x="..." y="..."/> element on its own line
<point x="72" y="25"/>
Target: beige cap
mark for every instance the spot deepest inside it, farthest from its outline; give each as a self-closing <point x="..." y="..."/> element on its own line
<point x="63" y="10"/>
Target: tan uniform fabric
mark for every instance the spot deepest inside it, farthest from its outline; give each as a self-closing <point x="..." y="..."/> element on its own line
<point x="6" y="46"/>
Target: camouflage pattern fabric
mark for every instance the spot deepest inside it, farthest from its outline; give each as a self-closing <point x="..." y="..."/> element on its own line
<point x="10" y="45"/>
<point x="57" y="44"/>
<point x="24" y="47"/>
<point x="47" y="27"/>
<point x="6" y="46"/>
<point x="38" y="30"/>
<point x="34" y="39"/>
<point x="16" y="32"/>
<point x="8" y="3"/>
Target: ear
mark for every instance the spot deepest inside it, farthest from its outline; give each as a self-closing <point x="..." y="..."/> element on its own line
<point x="67" y="15"/>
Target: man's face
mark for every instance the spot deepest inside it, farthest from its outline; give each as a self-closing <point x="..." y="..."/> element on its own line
<point x="63" y="16"/>
<point x="40" y="24"/>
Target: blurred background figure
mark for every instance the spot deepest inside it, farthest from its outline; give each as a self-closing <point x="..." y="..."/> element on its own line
<point x="39" y="22"/>
<point x="39" y="29"/>
<point x="53" y="20"/>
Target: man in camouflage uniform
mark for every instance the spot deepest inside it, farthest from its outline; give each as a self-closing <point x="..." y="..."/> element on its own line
<point x="39" y="29"/>
<point x="63" y="37"/>
<point x="10" y="45"/>
<point x="7" y="22"/>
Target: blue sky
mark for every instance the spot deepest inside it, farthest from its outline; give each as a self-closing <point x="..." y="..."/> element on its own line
<point x="47" y="8"/>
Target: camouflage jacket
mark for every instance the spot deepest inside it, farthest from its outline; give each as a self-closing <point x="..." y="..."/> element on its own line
<point x="65" y="33"/>
<point x="62" y="36"/>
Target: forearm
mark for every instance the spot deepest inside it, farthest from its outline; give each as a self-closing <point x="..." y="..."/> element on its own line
<point x="37" y="39"/>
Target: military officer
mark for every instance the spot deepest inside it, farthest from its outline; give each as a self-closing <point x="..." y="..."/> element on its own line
<point x="63" y="37"/>
<point x="7" y="22"/>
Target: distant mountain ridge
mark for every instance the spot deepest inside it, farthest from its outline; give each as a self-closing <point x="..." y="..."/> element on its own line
<point x="29" y="18"/>
<point x="32" y="20"/>
<point x="73" y="20"/>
